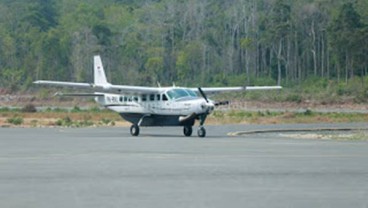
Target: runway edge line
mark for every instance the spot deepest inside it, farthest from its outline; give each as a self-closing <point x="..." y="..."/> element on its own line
<point x="239" y="133"/>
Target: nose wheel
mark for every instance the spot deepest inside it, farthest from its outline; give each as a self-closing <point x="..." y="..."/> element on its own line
<point x="201" y="131"/>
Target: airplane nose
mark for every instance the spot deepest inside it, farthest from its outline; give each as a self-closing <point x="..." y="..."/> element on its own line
<point x="208" y="107"/>
<point x="211" y="107"/>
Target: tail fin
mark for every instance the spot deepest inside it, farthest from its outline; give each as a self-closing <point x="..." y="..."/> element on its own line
<point x="99" y="72"/>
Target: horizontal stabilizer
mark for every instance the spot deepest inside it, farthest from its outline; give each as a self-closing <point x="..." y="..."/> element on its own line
<point x="64" y="84"/>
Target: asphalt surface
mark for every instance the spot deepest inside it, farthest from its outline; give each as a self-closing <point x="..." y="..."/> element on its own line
<point x="106" y="167"/>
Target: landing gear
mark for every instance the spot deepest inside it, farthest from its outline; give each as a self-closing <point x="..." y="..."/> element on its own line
<point x="188" y="130"/>
<point x="134" y="130"/>
<point x="201" y="131"/>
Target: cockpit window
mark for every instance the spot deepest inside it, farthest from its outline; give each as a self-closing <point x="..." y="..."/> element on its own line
<point x="175" y="94"/>
<point x="192" y="93"/>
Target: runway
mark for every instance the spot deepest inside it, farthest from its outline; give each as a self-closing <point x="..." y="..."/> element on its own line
<point x="106" y="167"/>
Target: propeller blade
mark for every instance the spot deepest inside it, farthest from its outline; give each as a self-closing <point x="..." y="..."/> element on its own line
<point x="222" y="103"/>
<point x="203" y="95"/>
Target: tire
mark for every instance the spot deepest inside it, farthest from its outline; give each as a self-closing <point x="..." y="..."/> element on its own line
<point x="134" y="130"/>
<point x="188" y="130"/>
<point x="201" y="132"/>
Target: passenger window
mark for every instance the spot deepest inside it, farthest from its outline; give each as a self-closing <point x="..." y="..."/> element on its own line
<point x="158" y="97"/>
<point x="152" y="97"/>
<point x="121" y="99"/>
<point x="144" y="98"/>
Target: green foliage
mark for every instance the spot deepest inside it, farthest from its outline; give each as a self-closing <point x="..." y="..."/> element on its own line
<point x="76" y="109"/>
<point x="66" y="121"/>
<point x="219" y="114"/>
<point x="4" y="109"/>
<point x="16" y="120"/>
<point x="240" y="114"/>
<point x="296" y="98"/>
<point x="314" y="85"/>
<point x="11" y="78"/>
<point x="220" y="43"/>
<point x="43" y="93"/>
<point x="308" y="112"/>
<point x="95" y="109"/>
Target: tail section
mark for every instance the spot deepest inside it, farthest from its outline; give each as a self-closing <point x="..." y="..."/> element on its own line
<point x="99" y="72"/>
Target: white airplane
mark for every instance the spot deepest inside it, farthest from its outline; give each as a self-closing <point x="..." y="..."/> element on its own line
<point x="152" y="106"/>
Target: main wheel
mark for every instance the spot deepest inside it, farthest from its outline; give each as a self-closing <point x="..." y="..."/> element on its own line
<point x="201" y="132"/>
<point x="134" y="130"/>
<point x="188" y="130"/>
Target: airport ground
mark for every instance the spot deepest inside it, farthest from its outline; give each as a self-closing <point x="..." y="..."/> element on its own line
<point x="106" y="167"/>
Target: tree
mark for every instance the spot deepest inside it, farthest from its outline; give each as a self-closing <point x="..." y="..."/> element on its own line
<point x="279" y="30"/>
<point x="345" y="31"/>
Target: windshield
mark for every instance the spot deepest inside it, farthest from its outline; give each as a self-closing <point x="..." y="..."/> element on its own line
<point x="175" y="94"/>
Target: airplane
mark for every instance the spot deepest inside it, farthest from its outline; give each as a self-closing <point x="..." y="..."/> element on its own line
<point x="152" y="106"/>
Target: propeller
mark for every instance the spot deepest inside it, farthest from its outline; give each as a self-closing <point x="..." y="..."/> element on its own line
<point x="203" y="95"/>
<point x="209" y="107"/>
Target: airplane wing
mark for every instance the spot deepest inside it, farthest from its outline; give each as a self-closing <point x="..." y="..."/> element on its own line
<point x="214" y="90"/>
<point x="108" y="88"/>
<point x="135" y="89"/>
<point x="80" y="94"/>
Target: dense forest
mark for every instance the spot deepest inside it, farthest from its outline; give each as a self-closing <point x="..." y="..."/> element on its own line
<point x="192" y="42"/>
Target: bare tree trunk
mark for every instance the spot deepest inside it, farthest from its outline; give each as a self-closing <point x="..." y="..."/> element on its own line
<point x="287" y="64"/>
<point x="323" y="55"/>
<point x="296" y="60"/>
<point x="313" y="50"/>
<point x="279" y="63"/>
<point x="346" y="67"/>
<point x="328" y="63"/>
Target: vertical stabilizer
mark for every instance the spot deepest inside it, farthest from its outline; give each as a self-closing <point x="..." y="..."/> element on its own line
<point x="99" y="72"/>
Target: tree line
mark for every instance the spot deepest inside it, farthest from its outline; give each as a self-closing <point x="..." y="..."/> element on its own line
<point x="192" y="42"/>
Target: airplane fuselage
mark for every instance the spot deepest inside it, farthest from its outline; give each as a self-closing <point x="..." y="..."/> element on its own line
<point x="170" y="107"/>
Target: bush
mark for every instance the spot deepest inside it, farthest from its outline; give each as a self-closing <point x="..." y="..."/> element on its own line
<point x="105" y="121"/>
<point x="294" y="98"/>
<point x="15" y="120"/>
<point x="29" y="108"/>
<point x="308" y="112"/>
<point x="76" y="109"/>
<point x="67" y="121"/>
<point x="4" y="109"/>
<point x="95" y="109"/>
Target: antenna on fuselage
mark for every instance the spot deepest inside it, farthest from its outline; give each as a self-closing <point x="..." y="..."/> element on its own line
<point x="158" y="84"/>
